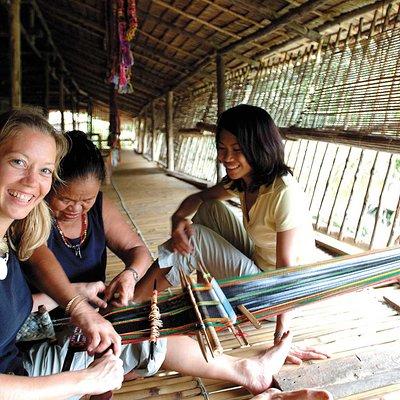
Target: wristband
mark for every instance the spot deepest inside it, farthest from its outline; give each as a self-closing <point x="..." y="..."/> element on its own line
<point x="134" y="273"/>
<point x="71" y="302"/>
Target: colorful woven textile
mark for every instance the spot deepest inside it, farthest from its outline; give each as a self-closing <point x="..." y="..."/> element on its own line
<point x="122" y="28"/>
<point x="264" y="295"/>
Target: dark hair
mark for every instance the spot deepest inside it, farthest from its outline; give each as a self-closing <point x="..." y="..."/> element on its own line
<point x="260" y="141"/>
<point x="82" y="160"/>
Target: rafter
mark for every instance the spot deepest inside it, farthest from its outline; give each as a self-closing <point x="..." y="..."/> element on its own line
<point x="73" y="19"/>
<point x="194" y="18"/>
<point x="270" y="15"/>
<point x="276" y="24"/>
<point x="144" y="33"/>
<point x="151" y="51"/>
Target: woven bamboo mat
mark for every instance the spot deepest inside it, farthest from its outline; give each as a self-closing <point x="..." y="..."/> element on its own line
<point x="359" y="330"/>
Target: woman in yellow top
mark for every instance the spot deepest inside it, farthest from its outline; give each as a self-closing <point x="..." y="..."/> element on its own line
<point x="276" y="230"/>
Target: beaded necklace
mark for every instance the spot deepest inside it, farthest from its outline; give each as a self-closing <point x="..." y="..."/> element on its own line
<point x="4" y="253"/>
<point x="75" y="247"/>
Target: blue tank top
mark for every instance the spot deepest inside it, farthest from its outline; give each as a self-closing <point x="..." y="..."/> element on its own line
<point x="92" y="266"/>
<point x="15" y="306"/>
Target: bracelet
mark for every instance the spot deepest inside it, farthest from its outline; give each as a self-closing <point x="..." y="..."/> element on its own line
<point x="134" y="273"/>
<point x="69" y="304"/>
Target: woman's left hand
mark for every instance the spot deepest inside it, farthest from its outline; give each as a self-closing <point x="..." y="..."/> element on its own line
<point x="99" y="332"/>
<point x="91" y="291"/>
<point x="121" y="289"/>
<point x="299" y="354"/>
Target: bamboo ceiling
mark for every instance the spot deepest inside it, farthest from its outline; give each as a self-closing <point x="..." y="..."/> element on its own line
<point x="174" y="47"/>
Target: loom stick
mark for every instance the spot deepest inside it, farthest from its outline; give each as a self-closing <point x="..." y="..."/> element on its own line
<point x="185" y="284"/>
<point x="210" y="332"/>
<point x="202" y="346"/>
<point x="249" y="316"/>
<point x="155" y="320"/>
<point x="242" y="335"/>
<point x="213" y="284"/>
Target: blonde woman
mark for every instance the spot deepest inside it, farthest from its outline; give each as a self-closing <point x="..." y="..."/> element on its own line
<point x="30" y="151"/>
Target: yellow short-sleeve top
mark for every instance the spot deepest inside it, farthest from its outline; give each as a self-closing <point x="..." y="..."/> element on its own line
<point x="279" y="207"/>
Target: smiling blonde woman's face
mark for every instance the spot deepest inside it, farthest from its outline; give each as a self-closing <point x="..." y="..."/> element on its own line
<point x="27" y="162"/>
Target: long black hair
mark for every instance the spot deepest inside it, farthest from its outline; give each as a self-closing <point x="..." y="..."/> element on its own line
<point x="260" y="141"/>
<point x="82" y="160"/>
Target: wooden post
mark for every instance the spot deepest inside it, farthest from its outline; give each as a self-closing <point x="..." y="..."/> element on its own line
<point x="169" y="120"/>
<point x="47" y="83"/>
<point x="153" y="130"/>
<point x="220" y="101"/>
<point x="144" y="132"/>
<point x="90" y="117"/>
<point x="15" y="53"/>
<point x="139" y="134"/>
<point x="72" y="99"/>
<point x="61" y="105"/>
<point x="220" y="83"/>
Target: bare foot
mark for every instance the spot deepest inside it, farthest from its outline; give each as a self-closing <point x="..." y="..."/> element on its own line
<point x="257" y="372"/>
<point x="304" y="394"/>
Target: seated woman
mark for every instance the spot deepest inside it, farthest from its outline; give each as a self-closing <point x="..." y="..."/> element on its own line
<point x="86" y="223"/>
<point x="276" y="230"/>
<point x="30" y="151"/>
<point x="83" y="216"/>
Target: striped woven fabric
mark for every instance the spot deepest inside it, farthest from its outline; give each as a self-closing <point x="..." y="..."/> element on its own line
<point x="264" y="295"/>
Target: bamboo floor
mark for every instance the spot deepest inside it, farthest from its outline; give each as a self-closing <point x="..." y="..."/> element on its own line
<point x="359" y="330"/>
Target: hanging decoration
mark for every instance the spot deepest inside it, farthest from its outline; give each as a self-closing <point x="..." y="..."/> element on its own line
<point x="122" y="25"/>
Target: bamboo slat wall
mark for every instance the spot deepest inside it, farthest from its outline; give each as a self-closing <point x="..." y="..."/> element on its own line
<point x="349" y="81"/>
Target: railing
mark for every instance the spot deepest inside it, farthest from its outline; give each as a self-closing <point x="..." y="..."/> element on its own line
<point x="353" y="193"/>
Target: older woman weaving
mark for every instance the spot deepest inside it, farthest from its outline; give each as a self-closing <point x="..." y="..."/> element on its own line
<point x="85" y="222"/>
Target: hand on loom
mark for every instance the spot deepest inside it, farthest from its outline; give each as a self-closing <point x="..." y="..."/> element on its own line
<point x="180" y="234"/>
<point x="99" y="332"/>
<point x="121" y="289"/>
<point x="91" y="291"/>
<point x="103" y="374"/>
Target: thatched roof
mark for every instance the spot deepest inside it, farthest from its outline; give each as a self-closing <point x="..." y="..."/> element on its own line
<point x="174" y="47"/>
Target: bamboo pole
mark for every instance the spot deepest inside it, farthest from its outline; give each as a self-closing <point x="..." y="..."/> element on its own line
<point x="15" y="52"/>
<point x="326" y="188"/>
<point x="61" y="102"/>
<point x="394" y="233"/>
<point x="337" y="191"/>
<point x="170" y="129"/>
<point x="366" y="196"/>
<point x="379" y="212"/>
<point x="347" y="210"/>
<point x="46" y="99"/>
<point x="153" y="130"/>
<point x="143" y="138"/>
<point x="220" y="100"/>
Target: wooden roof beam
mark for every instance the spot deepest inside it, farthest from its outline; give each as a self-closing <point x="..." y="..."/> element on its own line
<point x="172" y="64"/>
<point x="276" y="24"/>
<point x="178" y="30"/>
<point x="148" y="35"/>
<point x="76" y="22"/>
<point x="197" y="19"/>
<point x="209" y="43"/>
<point x="235" y="14"/>
<point x="147" y="75"/>
<point x="51" y="42"/>
<point x="32" y="44"/>
<point x="272" y="15"/>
